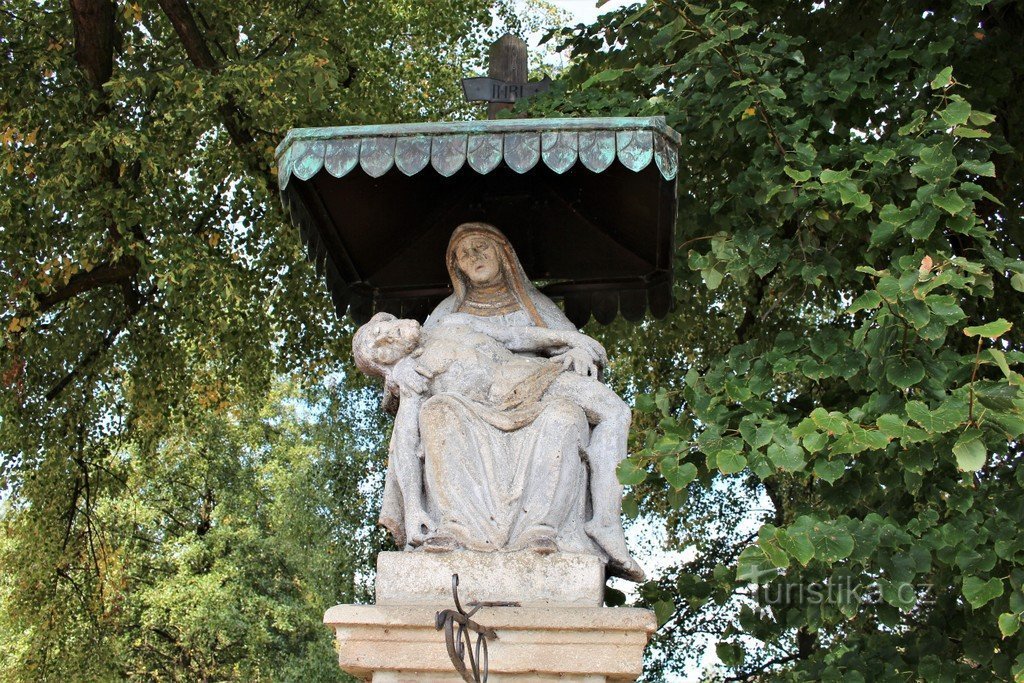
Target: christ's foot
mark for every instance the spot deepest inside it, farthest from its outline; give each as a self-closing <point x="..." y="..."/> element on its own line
<point x="613" y="541"/>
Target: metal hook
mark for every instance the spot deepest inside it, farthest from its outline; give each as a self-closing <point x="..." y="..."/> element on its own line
<point x="459" y="642"/>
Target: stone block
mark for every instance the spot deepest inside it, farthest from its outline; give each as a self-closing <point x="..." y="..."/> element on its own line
<point x="399" y="644"/>
<point x="532" y="580"/>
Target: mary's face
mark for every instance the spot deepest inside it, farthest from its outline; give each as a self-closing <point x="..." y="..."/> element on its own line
<point x="477" y="257"/>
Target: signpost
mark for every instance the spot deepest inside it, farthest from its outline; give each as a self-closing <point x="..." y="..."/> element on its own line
<point x="508" y="72"/>
<point x="485" y="89"/>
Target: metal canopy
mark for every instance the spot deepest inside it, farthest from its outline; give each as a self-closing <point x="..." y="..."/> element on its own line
<point x="588" y="204"/>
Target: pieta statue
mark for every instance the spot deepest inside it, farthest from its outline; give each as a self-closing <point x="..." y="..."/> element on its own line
<point x="505" y="438"/>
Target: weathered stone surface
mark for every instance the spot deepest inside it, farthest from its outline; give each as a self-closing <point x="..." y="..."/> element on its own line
<point x="399" y="643"/>
<point x="523" y="577"/>
<point x="505" y="438"/>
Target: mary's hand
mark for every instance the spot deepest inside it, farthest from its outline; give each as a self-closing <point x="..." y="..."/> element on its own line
<point x="581" y="342"/>
<point x="579" y="360"/>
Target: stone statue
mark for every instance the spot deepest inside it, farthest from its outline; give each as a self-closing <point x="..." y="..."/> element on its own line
<point x="505" y="438"/>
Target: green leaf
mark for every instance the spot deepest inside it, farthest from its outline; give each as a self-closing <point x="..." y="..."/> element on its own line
<point x="998" y="396"/>
<point x="629" y="473"/>
<point x="943" y="79"/>
<point x="970" y="452"/>
<point x="897" y="428"/>
<point x="661" y="400"/>
<point x="712" y="278"/>
<point x="890" y="214"/>
<point x="883" y="156"/>
<point x="956" y="113"/>
<point x="731" y="461"/>
<point x="865" y="301"/>
<point x="832" y="422"/>
<point x="829" y="176"/>
<point x="645" y="403"/>
<point x="937" y="163"/>
<point x="754" y="567"/>
<point x="1000" y="359"/>
<point x="980" y="118"/>
<point x="1017" y="282"/>
<point x="889" y="289"/>
<point x="663" y="610"/>
<point x="603" y="76"/>
<point x="799" y="176"/>
<point x="789" y="458"/>
<point x="831" y="544"/>
<point x="979" y="592"/>
<point x="768" y="542"/>
<point x="916" y="311"/>
<point x="992" y="330"/>
<point x="938" y="421"/>
<point x="905" y="372"/>
<point x="815" y="442"/>
<point x="729" y="654"/>
<point x="830" y="470"/>
<point x="1008" y="624"/>
<point x="965" y="132"/>
<point x="798" y="544"/>
<point x="951" y="202"/>
<point x="630" y="508"/>
<point x="677" y="475"/>
<point x="983" y="168"/>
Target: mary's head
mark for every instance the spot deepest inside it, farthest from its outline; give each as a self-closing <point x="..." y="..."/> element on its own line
<point x="477" y="260"/>
<point x="486" y="274"/>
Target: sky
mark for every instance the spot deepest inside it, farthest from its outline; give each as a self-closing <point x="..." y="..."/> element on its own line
<point x="585" y="11"/>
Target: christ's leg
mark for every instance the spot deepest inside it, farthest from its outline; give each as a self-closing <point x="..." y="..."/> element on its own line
<point x="611" y="418"/>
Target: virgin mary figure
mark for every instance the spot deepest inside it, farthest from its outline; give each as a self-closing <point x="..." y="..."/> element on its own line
<point x="504" y="439"/>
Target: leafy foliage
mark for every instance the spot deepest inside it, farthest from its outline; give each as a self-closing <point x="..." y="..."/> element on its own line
<point x="169" y="512"/>
<point x="849" y="271"/>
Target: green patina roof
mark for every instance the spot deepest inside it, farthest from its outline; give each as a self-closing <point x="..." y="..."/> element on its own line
<point x="483" y="145"/>
<point x="589" y="204"/>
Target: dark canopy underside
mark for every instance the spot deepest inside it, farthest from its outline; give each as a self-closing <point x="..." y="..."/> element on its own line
<point x="599" y="239"/>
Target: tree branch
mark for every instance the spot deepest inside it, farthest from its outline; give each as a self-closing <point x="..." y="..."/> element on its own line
<point x="237" y="123"/>
<point x="118" y="272"/>
<point x="105" y="345"/>
<point x="747" y="675"/>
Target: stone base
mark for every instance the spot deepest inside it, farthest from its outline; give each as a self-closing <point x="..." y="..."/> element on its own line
<point x="419" y="578"/>
<point x="399" y="643"/>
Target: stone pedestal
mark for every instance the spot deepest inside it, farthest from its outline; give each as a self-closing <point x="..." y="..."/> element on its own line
<point x="560" y="633"/>
<point x="523" y="577"/>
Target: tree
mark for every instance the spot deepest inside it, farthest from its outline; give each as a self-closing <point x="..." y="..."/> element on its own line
<point x="210" y="556"/>
<point x="844" y="344"/>
<point x="155" y="296"/>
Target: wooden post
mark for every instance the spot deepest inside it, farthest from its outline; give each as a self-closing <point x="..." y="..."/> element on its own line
<point x="507" y="61"/>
